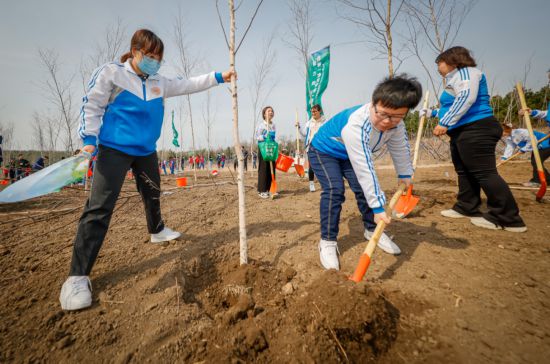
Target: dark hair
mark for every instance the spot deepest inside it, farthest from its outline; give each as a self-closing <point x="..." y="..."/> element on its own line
<point x="264" y="110"/>
<point x="458" y="57"/>
<point x="397" y="92"/>
<point x="317" y="107"/>
<point x="145" y="41"/>
<point x="506" y="128"/>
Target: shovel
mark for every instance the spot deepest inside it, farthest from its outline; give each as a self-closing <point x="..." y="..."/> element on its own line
<point x="408" y="201"/>
<point x="298" y="167"/>
<point x="365" y="259"/>
<point x="542" y="190"/>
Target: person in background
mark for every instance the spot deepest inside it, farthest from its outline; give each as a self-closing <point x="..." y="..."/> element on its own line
<point x="265" y="128"/>
<point x="311" y="128"/>
<point x="122" y="115"/>
<point x="467" y="117"/>
<point x="22" y="167"/>
<point x="519" y="138"/>
<point x="254" y="160"/>
<point x="39" y="163"/>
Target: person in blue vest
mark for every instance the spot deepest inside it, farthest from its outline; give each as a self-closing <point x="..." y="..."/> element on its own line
<point x="343" y="148"/>
<point x="39" y="163"/>
<point x="539" y="114"/>
<point x="520" y="139"/>
<point x="467" y="117"/>
<point x="121" y="115"/>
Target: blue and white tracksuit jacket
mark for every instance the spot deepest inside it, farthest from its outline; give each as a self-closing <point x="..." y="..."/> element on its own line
<point x="540" y="114"/>
<point x="351" y="135"/>
<point x="123" y="111"/>
<point x="519" y="138"/>
<point x="312" y="127"/>
<point x="465" y="98"/>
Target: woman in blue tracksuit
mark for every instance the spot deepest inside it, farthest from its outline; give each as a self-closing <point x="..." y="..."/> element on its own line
<point x="467" y="117"/>
<point x="121" y="115"/>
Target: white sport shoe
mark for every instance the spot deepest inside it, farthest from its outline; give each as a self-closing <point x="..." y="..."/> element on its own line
<point x="263" y="194"/>
<point x="484" y="223"/>
<point x="311" y="186"/>
<point x="452" y="214"/>
<point x="166" y="234"/>
<point x="328" y="252"/>
<point x="76" y="293"/>
<point x="384" y="243"/>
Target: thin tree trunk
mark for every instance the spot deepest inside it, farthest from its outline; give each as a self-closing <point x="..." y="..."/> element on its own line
<point x="240" y="177"/>
<point x="390" y="42"/>
<point x="192" y="137"/>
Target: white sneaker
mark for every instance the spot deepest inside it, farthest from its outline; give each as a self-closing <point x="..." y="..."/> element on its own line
<point x="76" y="293"/>
<point x="384" y="243"/>
<point x="328" y="252"/>
<point x="311" y="186"/>
<point x="263" y="194"/>
<point x="484" y="223"/>
<point x="452" y="214"/>
<point x="166" y="234"/>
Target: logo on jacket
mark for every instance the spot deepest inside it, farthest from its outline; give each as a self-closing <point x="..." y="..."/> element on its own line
<point x="155" y="90"/>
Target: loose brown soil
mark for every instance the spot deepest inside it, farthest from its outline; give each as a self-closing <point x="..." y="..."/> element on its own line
<point x="457" y="294"/>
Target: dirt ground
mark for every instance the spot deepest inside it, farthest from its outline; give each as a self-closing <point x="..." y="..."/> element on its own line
<point x="457" y="293"/>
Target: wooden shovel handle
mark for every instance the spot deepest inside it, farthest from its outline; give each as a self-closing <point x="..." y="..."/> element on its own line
<point x="381" y="224"/>
<point x="420" y="128"/>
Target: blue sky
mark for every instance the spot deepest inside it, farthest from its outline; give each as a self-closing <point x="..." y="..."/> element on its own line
<point x="503" y="36"/>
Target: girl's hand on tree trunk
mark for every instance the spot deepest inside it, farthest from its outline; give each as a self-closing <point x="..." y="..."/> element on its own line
<point x="227" y="75"/>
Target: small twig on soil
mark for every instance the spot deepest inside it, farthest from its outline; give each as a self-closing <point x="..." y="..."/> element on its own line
<point x="116" y="302"/>
<point x="333" y="334"/>
<point x="177" y="297"/>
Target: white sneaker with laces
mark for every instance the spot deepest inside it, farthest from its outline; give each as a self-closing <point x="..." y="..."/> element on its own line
<point x="384" y="243"/>
<point x="484" y="223"/>
<point x="76" y="293"/>
<point x="166" y="234"/>
<point x="328" y="252"/>
<point x="263" y="194"/>
<point x="452" y="214"/>
<point x="311" y="186"/>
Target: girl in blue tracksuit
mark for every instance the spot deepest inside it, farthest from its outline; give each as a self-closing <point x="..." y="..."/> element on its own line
<point x="467" y="117"/>
<point x="343" y="148"/>
<point x="519" y="138"/>
<point x="121" y="115"/>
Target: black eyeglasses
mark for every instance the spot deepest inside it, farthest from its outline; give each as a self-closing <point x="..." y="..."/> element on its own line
<point x="393" y="118"/>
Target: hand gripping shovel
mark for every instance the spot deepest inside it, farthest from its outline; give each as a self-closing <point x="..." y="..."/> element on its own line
<point x="298" y="167"/>
<point x="408" y="201"/>
<point x="365" y="259"/>
<point x="542" y="190"/>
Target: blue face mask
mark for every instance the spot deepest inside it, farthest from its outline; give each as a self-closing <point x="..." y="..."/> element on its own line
<point x="149" y="65"/>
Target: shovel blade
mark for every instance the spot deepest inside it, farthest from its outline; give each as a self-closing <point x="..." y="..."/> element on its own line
<point x="405" y="204"/>
<point x="299" y="169"/>
<point x="542" y="190"/>
<point x="273" y="188"/>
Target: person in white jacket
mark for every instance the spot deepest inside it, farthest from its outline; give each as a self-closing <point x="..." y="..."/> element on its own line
<point x="265" y="129"/>
<point x="343" y="148"/>
<point x="121" y="117"/>
<point x="311" y="128"/>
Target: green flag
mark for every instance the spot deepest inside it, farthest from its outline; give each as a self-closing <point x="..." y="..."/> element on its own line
<point x="317" y="77"/>
<point x="175" y="140"/>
